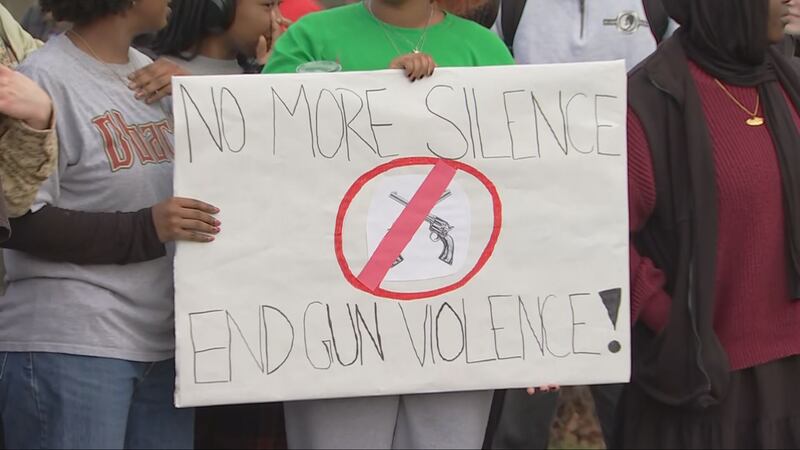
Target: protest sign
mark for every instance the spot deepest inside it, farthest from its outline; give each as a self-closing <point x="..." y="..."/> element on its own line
<point x="466" y="231"/>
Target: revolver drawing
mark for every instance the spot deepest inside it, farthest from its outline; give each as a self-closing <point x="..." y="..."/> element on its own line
<point x="440" y="232"/>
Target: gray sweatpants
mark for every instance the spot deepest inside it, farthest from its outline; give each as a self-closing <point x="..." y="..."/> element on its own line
<point x="451" y="420"/>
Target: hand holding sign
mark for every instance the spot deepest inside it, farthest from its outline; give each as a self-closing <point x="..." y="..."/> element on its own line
<point x="416" y="65"/>
<point x="543" y="389"/>
<point x="185" y="219"/>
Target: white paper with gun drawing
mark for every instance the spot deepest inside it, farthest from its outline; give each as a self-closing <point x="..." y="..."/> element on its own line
<point x="467" y="231"/>
<point x="417" y="263"/>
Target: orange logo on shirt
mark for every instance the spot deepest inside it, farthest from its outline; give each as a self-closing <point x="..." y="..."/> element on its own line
<point x="125" y="143"/>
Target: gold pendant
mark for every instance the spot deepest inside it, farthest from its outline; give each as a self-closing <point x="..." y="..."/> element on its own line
<point x="755" y="121"/>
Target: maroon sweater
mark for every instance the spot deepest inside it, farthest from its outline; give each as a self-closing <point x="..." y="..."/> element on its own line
<point x="754" y="316"/>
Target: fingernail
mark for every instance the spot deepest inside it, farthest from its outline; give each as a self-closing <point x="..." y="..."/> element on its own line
<point x="216" y="210"/>
<point x="217" y="230"/>
<point x="217" y="223"/>
<point x="209" y="238"/>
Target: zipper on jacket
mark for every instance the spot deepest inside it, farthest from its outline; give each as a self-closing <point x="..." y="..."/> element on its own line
<point x="698" y="340"/>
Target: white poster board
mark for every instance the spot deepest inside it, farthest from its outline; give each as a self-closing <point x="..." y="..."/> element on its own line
<point x="467" y="231"/>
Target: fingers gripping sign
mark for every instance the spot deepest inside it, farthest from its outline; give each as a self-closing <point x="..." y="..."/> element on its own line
<point x="416" y="65"/>
<point x="184" y="219"/>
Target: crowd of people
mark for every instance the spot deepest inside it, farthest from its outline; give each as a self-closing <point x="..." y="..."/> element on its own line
<point x="88" y="219"/>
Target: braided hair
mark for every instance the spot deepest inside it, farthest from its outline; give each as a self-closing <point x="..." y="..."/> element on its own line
<point x="185" y="31"/>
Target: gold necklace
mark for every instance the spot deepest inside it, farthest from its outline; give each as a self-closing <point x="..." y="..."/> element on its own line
<point x="755" y="120"/>
<point x="114" y="72"/>
<point x="416" y="47"/>
<point x="94" y="55"/>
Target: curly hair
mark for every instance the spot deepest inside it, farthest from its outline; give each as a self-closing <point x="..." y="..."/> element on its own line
<point x="81" y="12"/>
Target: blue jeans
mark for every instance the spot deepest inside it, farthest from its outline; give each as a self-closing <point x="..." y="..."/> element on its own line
<point x="52" y="400"/>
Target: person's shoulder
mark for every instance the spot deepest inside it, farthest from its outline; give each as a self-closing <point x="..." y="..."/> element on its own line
<point x="467" y="29"/>
<point x="51" y="55"/>
<point x="139" y="58"/>
<point x="54" y="51"/>
<point x="468" y="25"/>
<point x="482" y="38"/>
<point x="323" y="26"/>
<point x="338" y="16"/>
<point x="52" y="66"/>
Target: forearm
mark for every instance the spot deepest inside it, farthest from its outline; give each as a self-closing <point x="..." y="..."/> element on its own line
<point x="80" y="237"/>
<point x="650" y="302"/>
<point x="27" y="158"/>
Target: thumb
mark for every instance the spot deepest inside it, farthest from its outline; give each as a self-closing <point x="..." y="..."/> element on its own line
<point x="398" y="63"/>
<point x="262" y="50"/>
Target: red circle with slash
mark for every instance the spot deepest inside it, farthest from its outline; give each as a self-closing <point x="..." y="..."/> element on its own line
<point x="351" y="193"/>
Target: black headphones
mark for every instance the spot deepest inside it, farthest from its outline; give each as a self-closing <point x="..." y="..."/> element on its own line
<point x="220" y="15"/>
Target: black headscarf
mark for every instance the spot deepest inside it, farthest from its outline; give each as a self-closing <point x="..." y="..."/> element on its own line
<point x="727" y="36"/>
<point x="729" y="40"/>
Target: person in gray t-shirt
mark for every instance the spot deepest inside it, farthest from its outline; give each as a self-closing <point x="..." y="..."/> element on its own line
<point x="209" y="38"/>
<point x="86" y="326"/>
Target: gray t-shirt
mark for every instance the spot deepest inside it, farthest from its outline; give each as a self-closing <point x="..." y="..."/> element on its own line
<point x="203" y="65"/>
<point x="115" y="154"/>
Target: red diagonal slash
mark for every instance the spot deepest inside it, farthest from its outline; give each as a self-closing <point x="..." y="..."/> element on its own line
<point x="407" y="224"/>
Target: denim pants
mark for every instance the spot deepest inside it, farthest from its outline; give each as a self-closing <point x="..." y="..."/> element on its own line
<point x="52" y="400"/>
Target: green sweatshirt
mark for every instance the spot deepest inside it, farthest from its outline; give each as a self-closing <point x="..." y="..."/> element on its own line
<point x="353" y="37"/>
